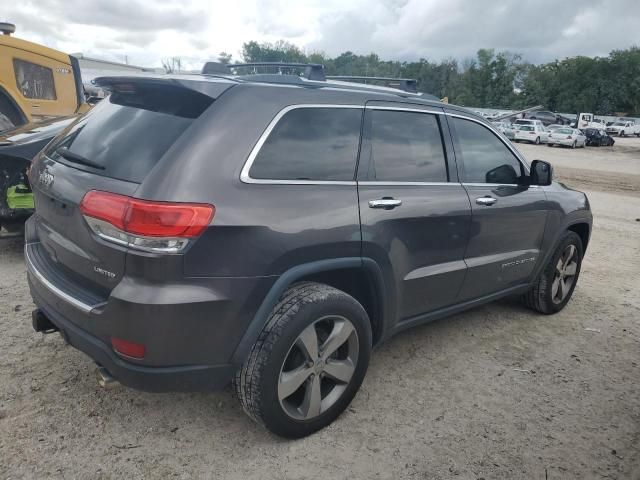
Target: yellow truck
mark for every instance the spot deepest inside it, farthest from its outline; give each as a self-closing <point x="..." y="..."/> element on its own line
<point x="36" y="82"/>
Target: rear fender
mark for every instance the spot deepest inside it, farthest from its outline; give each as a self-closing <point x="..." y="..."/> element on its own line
<point x="294" y="274"/>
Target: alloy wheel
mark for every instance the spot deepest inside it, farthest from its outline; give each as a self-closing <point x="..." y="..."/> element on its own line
<point x="565" y="274"/>
<point x="318" y="367"/>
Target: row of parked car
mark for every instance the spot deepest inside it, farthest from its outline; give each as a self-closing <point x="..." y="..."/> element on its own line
<point x="534" y="131"/>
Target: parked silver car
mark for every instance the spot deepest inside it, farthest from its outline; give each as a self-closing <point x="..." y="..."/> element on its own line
<point x="567" y="137"/>
<point x="506" y="128"/>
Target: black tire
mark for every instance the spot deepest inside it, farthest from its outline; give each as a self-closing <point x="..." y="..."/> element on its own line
<point x="539" y="298"/>
<point x="622" y="134"/>
<point x="574" y="144"/>
<point x="549" y="144"/>
<point x="256" y="383"/>
<point x="537" y="141"/>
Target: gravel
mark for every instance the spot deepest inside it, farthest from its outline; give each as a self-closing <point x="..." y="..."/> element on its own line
<point x="497" y="392"/>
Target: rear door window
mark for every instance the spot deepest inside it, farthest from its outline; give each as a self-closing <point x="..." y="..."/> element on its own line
<point x="127" y="133"/>
<point x="311" y="143"/>
<point x="404" y="147"/>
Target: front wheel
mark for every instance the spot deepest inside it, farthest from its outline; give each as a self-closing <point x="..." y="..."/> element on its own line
<point x="573" y="145"/>
<point x="308" y="362"/>
<point x="555" y="284"/>
<point x="622" y="133"/>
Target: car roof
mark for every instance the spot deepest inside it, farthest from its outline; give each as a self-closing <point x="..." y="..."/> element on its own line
<point x="207" y="82"/>
<point x="215" y="84"/>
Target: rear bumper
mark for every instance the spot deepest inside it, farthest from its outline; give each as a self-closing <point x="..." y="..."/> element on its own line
<point x="190" y="327"/>
<point x="151" y="379"/>
<point x="563" y="142"/>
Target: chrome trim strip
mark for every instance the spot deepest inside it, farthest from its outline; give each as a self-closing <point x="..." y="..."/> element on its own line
<point x="244" y="174"/>
<point x="498" y="185"/>
<point x="383" y="183"/>
<point x="405" y="109"/>
<point x="52" y="288"/>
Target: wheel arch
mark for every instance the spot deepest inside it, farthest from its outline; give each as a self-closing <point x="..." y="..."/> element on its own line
<point x="359" y="277"/>
<point x="583" y="230"/>
<point x="12" y="109"/>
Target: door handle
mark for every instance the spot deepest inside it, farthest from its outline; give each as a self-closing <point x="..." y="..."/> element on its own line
<point x="386" y="203"/>
<point x="486" y="200"/>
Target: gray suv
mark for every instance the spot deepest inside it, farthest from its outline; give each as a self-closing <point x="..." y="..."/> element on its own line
<point x="269" y="230"/>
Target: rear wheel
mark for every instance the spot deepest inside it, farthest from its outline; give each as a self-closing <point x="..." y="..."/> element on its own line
<point x="555" y="284"/>
<point x="573" y="145"/>
<point x="537" y="140"/>
<point x="308" y="362"/>
<point x="549" y="144"/>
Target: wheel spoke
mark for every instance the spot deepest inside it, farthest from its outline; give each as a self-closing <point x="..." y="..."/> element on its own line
<point x="559" y="265"/>
<point x="568" y="255"/>
<point x="308" y="342"/>
<point x="341" y="332"/>
<point x="291" y="381"/>
<point x="312" y="399"/>
<point x="560" y="288"/>
<point x="341" y="370"/>
<point x="570" y="270"/>
<point x="566" y="285"/>
<point x="554" y="287"/>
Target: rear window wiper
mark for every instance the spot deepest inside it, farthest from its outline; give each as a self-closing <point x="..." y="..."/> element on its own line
<point x="67" y="154"/>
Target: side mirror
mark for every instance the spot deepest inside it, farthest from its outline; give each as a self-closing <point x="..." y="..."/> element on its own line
<point x="541" y="173"/>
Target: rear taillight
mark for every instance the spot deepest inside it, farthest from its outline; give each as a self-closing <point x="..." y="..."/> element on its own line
<point x="143" y="224"/>
<point x="127" y="348"/>
<point x="532" y="133"/>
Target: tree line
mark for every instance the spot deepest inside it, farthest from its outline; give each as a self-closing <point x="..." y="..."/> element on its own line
<point x="492" y="79"/>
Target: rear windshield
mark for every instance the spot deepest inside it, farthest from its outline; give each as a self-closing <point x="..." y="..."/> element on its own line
<point x="526" y="128"/>
<point x="565" y="130"/>
<point x="127" y="133"/>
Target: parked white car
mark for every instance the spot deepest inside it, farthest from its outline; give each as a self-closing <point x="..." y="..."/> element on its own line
<point x="527" y="121"/>
<point x="628" y="127"/>
<point x="567" y="137"/>
<point x="531" y="133"/>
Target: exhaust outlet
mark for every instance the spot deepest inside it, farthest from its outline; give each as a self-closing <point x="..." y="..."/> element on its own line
<point x="105" y="380"/>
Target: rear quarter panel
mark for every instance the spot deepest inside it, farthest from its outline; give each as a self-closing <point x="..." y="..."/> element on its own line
<point x="257" y="230"/>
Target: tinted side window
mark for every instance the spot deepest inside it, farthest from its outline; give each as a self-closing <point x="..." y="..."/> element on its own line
<point x="485" y="158"/>
<point x="405" y="147"/>
<point x="34" y="81"/>
<point x="311" y="144"/>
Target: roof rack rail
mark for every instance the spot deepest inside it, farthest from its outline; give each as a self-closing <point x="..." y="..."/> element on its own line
<point x="312" y="71"/>
<point x="405" y="84"/>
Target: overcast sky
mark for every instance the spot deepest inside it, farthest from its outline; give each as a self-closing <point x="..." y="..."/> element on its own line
<point x="197" y="30"/>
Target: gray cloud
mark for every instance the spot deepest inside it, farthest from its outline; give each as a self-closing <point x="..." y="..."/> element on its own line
<point x="541" y="30"/>
<point x="134" y="15"/>
<point x="149" y="30"/>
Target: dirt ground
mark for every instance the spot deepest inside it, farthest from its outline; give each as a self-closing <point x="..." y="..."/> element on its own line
<point x="498" y="392"/>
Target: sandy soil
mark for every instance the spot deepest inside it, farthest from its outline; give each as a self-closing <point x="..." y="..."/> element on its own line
<point x="498" y="392"/>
